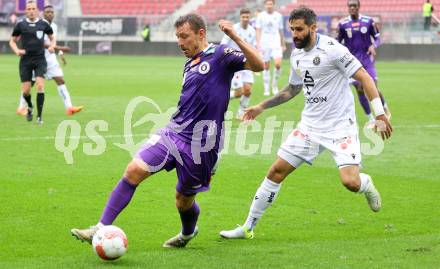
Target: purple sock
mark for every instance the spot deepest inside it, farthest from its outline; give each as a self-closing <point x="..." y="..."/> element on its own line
<point x="119" y="199"/>
<point x="364" y="103"/>
<point x="189" y="219"/>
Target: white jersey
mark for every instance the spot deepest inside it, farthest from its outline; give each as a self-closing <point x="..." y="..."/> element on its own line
<point x="270" y="26"/>
<point x="325" y="71"/>
<point x="51" y="58"/>
<point x="248" y="35"/>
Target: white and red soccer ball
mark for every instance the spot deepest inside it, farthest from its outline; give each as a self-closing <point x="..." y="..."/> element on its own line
<point x="110" y="242"/>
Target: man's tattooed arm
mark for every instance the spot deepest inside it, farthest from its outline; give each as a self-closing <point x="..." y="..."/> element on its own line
<point x="283" y="96"/>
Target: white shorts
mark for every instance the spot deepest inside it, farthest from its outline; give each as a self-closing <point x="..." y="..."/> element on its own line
<point x="241" y="77"/>
<point x="54" y="70"/>
<point x="271" y="53"/>
<point x="303" y="146"/>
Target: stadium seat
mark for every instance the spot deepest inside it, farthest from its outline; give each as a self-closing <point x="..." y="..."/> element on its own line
<point x="130" y="7"/>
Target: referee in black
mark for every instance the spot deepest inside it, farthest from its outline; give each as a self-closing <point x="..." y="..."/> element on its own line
<point x="31" y="32"/>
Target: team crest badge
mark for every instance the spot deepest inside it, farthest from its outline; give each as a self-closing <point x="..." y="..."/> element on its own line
<point x="40" y="34"/>
<point x="204" y="68"/>
<point x="317" y="60"/>
<point x="364" y="29"/>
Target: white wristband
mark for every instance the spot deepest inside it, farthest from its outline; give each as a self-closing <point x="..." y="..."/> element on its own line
<point x="60" y="52"/>
<point x="376" y="103"/>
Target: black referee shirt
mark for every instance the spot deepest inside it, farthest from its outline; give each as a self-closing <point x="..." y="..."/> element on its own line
<point x="32" y="35"/>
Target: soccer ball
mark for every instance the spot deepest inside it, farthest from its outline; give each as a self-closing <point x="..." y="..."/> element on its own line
<point x="110" y="242"/>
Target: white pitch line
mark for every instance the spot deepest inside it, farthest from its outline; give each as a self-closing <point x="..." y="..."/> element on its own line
<point x="30" y="138"/>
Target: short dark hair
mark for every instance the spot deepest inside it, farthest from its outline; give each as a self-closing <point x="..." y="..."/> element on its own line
<point x="195" y="21"/>
<point x="245" y="11"/>
<point x="305" y="13"/>
<point x="47" y="6"/>
<point x="358" y="2"/>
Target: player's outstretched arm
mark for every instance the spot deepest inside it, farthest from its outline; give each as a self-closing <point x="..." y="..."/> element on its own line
<point x="383" y="125"/>
<point x="283" y="96"/>
<point x="253" y="59"/>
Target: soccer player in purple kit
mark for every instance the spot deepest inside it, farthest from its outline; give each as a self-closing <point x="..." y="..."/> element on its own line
<point x="361" y="36"/>
<point x="192" y="140"/>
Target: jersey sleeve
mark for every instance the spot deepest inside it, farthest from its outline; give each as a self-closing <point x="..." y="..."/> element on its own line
<point x="17" y="30"/>
<point x="341" y="33"/>
<point x="55" y="30"/>
<point x="48" y="30"/>
<point x="294" y="77"/>
<point x="254" y="39"/>
<point x="374" y="33"/>
<point x="233" y="59"/>
<point x="344" y="60"/>
<point x="258" y="21"/>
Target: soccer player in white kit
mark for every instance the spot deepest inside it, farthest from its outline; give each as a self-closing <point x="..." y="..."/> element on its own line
<point x="242" y="81"/>
<point x="54" y="70"/>
<point x="321" y="67"/>
<point x="270" y="42"/>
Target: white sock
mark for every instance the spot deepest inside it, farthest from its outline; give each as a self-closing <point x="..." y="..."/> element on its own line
<point x="266" y="80"/>
<point x="231" y="94"/>
<point x="244" y="102"/>
<point x="365" y="182"/>
<point x="65" y="96"/>
<point x="276" y="76"/>
<point x="264" y="197"/>
<point x="22" y="103"/>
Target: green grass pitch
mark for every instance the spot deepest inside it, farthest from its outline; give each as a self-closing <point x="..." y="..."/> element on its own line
<point x="314" y="223"/>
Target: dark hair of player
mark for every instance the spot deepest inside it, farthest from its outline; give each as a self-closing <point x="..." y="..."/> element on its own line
<point x="47" y="6"/>
<point x="358" y="2"/>
<point x="305" y="13"/>
<point x="195" y="21"/>
<point x="245" y="11"/>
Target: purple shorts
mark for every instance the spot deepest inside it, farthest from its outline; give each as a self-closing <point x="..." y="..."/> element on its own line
<point x="166" y="150"/>
<point x="370" y="70"/>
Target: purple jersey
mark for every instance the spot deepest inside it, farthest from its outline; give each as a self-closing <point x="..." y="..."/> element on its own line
<point x="358" y="36"/>
<point x="205" y="94"/>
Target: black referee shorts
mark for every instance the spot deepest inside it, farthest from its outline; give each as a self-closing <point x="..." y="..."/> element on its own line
<point x="28" y="64"/>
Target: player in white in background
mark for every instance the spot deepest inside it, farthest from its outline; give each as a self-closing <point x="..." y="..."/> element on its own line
<point x="54" y="70"/>
<point x="253" y="20"/>
<point x="321" y="67"/>
<point x="270" y="42"/>
<point x="242" y="82"/>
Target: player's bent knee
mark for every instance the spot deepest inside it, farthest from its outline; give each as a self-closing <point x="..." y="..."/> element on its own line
<point x="135" y="172"/>
<point x="247" y="90"/>
<point x="350" y="177"/>
<point x="352" y="183"/>
<point x="59" y="81"/>
<point x="277" y="173"/>
<point x="184" y="202"/>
